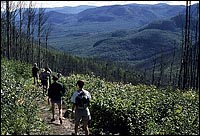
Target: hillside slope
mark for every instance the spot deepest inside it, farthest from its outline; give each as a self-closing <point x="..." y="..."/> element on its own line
<point x="116" y="108"/>
<point x="130" y="33"/>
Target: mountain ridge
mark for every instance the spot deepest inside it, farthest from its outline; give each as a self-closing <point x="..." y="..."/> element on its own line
<point x="106" y="33"/>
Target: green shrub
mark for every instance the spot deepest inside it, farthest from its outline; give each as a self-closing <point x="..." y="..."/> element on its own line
<point x="138" y="110"/>
<point x="19" y="108"/>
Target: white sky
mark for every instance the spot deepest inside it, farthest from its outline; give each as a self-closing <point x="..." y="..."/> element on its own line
<point x="50" y="4"/>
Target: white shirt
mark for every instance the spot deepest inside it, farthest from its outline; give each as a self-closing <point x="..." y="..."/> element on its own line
<point x="73" y="98"/>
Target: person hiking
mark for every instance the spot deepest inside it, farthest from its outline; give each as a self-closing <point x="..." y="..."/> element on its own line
<point x="35" y="73"/>
<point x="41" y="77"/>
<point x="45" y="77"/>
<point x="55" y="92"/>
<point x="80" y="100"/>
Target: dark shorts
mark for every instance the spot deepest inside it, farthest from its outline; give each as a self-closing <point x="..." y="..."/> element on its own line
<point x="35" y="76"/>
<point x="56" y="101"/>
<point x="44" y="82"/>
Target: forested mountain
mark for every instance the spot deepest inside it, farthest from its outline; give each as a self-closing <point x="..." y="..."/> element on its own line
<point x="70" y="10"/>
<point x="140" y="14"/>
<point x="120" y="32"/>
<point x="130" y="36"/>
<point x="143" y="80"/>
<point x="135" y="47"/>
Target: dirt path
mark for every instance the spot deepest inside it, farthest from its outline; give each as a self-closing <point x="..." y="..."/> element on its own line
<point x="67" y="127"/>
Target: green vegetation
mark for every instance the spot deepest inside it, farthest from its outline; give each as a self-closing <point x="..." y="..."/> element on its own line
<point x="124" y="101"/>
<point x="120" y="45"/>
<point x="138" y="110"/>
<point x="135" y="46"/>
<point x="19" y="107"/>
<point x="116" y="108"/>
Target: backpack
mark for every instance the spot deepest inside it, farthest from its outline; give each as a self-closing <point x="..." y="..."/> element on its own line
<point x="82" y="100"/>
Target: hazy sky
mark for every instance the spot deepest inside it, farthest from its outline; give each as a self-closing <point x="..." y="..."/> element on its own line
<point x="50" y="4"/>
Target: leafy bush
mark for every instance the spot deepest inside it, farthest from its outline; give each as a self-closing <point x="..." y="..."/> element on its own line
<point x="19" y="108"/>
<point x="138" y="110"/>
<point x="116" y="108"/>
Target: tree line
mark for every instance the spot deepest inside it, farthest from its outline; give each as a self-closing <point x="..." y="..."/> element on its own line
<point x="180" y="68"/>
<point x="24" y="37"/>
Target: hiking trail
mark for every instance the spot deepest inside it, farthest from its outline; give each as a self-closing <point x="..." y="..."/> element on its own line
<point x="66" y="128"/>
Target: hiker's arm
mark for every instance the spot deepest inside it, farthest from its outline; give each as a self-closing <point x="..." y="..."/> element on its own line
<point x="73" y="107"/>
<point x="73" y="104"/>
<point x="49" y="79"/>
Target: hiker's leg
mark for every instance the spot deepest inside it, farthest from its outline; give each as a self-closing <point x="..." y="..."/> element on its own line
<point x="45" y="87"/>
<point x="85" y="123"/>
<point x="34" y="80"/>
<point x="45" y="90"/>
<point x="47" y="84"/>
<point x="60" y="110"/>
<point x="37" y="80"/>
<point x="85" y="127"/>
<point x="42" y="81"/>
<point x="76" y="127"/>
<point x="77" y="118"/>
<point x="52" y="109"/>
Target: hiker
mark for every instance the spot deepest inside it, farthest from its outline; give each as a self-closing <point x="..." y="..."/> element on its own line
<point x="41" y="76"/>
<point x="55" y="92"/>
<point x="35" y="73"/>
<point x="80" y="106"/>
<point x="45" y="77"/>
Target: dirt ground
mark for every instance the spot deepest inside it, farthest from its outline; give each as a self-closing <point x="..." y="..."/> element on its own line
<point x="67" y="127"/>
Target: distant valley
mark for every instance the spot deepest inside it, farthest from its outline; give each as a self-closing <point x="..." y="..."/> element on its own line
<point x="131" y="33"/>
